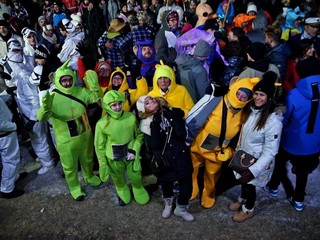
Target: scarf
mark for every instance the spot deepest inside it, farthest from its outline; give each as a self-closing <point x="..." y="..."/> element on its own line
<point x="52" y="40"/>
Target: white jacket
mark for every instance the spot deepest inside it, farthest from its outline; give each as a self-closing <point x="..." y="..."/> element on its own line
<point x="262" y="144"/>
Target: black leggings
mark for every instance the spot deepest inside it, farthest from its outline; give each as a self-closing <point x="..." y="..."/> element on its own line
<point x="248" y="192"/>
<point x="185" y="190"/>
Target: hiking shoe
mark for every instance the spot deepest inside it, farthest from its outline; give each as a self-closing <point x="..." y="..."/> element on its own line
<point x="181" y="211"/>
<point x="298" y="206"/>
<point x="167" y="211"/>
<point x="235" y="206"/>
<point x="45" y="169"/>
<point x="272" y="192"/>
<point x="242" y="216"/>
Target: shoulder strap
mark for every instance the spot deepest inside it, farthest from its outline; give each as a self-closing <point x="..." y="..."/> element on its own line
<point x="70" y="96"/>
<point x="314" y="107"/>
<point x="223" y="125"/>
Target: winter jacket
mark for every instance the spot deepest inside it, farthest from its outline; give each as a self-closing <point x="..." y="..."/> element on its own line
<point x="168" y="126"/>
<point x="233" y="69"/>
<point x="193" y="76"/>
<point x="295" y="140"/>
<point x="262" y="144"/>
<point x="279" y="55"/>
<point x="3" y="44"/>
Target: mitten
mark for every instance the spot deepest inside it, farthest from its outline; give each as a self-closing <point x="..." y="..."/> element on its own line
<point x="47" y="101"/>
<point x="246" y="176"/>
<point x="91" y="79"/>
<point x="10" y="90"/>
<point x="29" y="125"/>
<point x="104" y="173"/>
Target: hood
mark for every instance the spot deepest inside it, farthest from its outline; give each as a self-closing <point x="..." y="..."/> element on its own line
<point x="164" y="23"/>
<point x="291" y="16"/>
<point x="186" y="62"/>
<point x="63" y="71"/>
<point x="304" y="85"/>
<point x="111" y="97"/>
<point x="103" y="81"/>
<point x="124" y="86"/>
<point x="261" y="21"/>
<point x="231" y="96"/>
<point x="140" y="45"/>
<point x="164" y="71"/>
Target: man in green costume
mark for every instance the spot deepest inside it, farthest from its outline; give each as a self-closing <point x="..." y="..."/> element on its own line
<point x="66" y="107"/>
<point x="117" y="143"/>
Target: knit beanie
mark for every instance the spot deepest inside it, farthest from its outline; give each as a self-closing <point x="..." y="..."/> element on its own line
<point x="251" y="7"/>
<point x="4" y="23"/>
<point x="247" y="91"/>
<point x="256" y="50"/>
<point x="266" y="84"/>
<point x="140" y="104"/>
<point x="202" y="49"/>
<point x="308" y="67"/>
<point x="41" y="52"/>
<point x="27" y="31"/>
<point x="41" y="18"/>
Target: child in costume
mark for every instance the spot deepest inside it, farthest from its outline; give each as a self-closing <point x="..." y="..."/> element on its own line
<point x="117" y="143"/>
<point x="66" y="107"/>
<point x="210" y="147"/>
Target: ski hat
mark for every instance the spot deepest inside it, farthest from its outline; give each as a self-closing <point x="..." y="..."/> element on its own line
<point x="26" y="32"/>
<point x="41" y="52"/>
<point x="47" y="27"/>
<point x="76" y="17"/>
<point x="257" y="50"/>
<point x="70" y="28"/>
<point x="252" y="7"/>
<point x="64" y="70"/>
<point x="308" y="67"/>
<point x="140" y="104"/>
<point x="202" y="49"/>
<point x="35" y="77"/>
<point x="4" y="23"/>
<point x="266" y="84"/>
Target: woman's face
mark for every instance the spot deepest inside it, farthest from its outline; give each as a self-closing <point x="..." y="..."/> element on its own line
<point x="260" y="98"/>
<point x="116" y="106"/>
<point x="310" y="51"/>
<point x="116" y="80"/>
<point x="151" y="105"/>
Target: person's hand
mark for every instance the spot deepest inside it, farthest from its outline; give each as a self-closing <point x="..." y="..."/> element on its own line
<point x="104" y="173"/>
<point x="29" y="125"/>
<point x="47" y="101"/>
<point x="91" y="79"/>
<point x="130" y="156"/>
<point x="10" y="90"/>
<point x="83" y="48"/>
<point x="246" y="176"/>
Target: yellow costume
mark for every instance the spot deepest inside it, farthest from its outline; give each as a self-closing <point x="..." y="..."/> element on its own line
<point x="205" y="148"/>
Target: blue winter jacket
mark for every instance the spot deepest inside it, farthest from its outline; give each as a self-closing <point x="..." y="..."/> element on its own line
<point x="295" y="139"/>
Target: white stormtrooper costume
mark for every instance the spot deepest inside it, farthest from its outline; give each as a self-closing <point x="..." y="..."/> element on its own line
<point x="69" y="47"/>
<point x="29" y="103"/>
<point x="9" y="149"/>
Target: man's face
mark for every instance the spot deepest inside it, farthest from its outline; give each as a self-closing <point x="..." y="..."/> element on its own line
<point x="311" y="30"/>
<point x="192" y="6"/>
<point x="173" y="23"/>
<point x="146" y="51"/>
<point x="4" y="30"/>
<point x="231" y="37"/>
<point x="241" y="96"/>
<point x="32" y="39"/>
<point x="49" y="32"/>
<point x="42" y="23"/>
<point x="145" y="6"/>
<point x="66" y="81"/>
<point x="164" y="83"/>
<point x="56" y="8"/>
<point x="90" y="7"/>
<point x="63" y="33"/>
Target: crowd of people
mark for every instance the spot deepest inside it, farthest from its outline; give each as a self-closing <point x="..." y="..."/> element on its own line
<point x="168" y="88"/>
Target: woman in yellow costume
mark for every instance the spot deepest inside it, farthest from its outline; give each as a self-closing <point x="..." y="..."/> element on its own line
<point x="210" y="147"/>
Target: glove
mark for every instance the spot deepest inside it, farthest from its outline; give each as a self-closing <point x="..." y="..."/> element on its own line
<point x="104" y="173"/>
<point x="47" y="101"/>
<point x="29" y="125"/>
<point x="91" y="79"/>
<point x="246" y="176"/>
<point x="10" y="90"/>
<point x="130" y="156"/>
<point x="83" y="48"/>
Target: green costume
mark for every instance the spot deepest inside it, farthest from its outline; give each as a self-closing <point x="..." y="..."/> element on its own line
<point x="117" y="135"/>
<point x="71" y="127"/>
